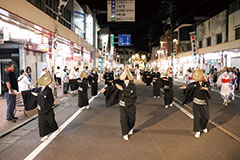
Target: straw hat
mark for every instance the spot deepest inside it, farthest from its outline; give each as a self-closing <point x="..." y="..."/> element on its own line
<point x="45" y="80"/>
<point x="169" y="72"/>
<point x="224" y="69"/>
<point x="95" y="69"/>
<point x="83" y="75"/>
<point x="198" y="74"/>
<point x="126" y="75"/>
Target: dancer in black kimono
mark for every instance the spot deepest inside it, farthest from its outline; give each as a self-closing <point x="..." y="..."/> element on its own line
<point x="156" y="78"/>
<point x="109" y="77"/>
<point x="82" y="91"/>
<point x="45" y="101"/>
<point x="148" y="78"/>
<point x="93" y="81"/>
<point x="198" y="92"/>
<point x="127" y="100"/>
<point x="168" y="88"/>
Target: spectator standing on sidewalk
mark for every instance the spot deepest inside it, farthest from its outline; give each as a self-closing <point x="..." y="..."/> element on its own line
<point x="23" y="85"/>
<point x="11" y="90"/>
<point x="23" y="82"/>
<point x="65" y="81"/>
<point x="29" y="73"/>
<point x="58" y="76"/>
<point x="215" y="76"/>
<point x="238" y="79"/>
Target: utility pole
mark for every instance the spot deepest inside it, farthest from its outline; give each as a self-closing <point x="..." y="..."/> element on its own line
<point x="171" y="32"/>
<point x="94" y="38"/>
<point x="95" y="13"/>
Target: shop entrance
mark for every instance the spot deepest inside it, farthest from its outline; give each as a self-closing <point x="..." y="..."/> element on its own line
<point x="8" y="52"/>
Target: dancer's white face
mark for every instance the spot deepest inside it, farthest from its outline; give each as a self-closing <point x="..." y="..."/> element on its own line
<point x="126" y="82"/>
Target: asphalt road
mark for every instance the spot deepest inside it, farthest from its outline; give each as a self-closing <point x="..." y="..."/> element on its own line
<point x="159" y="133"/>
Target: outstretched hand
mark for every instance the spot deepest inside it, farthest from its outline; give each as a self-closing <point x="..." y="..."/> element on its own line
<point x="102" y="91"/>
<point x="35" y="94"/>
<point x="119" y="87"/>
<point x="183" y="87"/>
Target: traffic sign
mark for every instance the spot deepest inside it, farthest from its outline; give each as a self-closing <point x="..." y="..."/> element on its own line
<point x="124" y="40"/>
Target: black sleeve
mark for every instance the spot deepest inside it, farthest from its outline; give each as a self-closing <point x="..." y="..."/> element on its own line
<point x="46" y="100"/>
<point x="6" y="77"/>
<point x="130" y="96"/>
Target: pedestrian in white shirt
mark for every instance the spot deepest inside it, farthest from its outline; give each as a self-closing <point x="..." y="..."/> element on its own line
<point x="58" y="74"/>
<point x="23" y="82"/>
<point x="23" y="85"/>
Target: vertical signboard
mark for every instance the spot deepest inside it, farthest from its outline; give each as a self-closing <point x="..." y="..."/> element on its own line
<point x="72" y="50"/>
<point x="121" y="10"/>
<point x="194" y="49"/>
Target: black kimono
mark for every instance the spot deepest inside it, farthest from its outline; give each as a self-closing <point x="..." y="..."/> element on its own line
<point x="46" y="117"/>
<point x="127" y="99"/>
<point x="45" y="100"/>
<point x="82" y="93"/>
<point x="93" y="81"/>
<point x="156" y="87"/>
<point x="29" y="100"/>
<point x="148" y="78"/>
<point x="200" y="100"/>
<point x="108" y="76"/>
<point x="73" y="84"/>
<point x="128" y="107"/>
<point x="168" y="90"/>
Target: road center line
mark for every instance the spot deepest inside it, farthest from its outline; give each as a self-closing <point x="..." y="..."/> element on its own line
<point x="56" y="133"/>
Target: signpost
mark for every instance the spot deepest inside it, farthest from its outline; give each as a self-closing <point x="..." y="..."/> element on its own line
<point x="121" y="10"/>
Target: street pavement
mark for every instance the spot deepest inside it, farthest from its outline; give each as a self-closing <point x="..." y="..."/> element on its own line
<point x="159" y="133"/>
<point x="6" y="127"/>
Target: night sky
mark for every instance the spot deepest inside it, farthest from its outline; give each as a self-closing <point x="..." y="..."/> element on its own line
<point x="150" y="14"/>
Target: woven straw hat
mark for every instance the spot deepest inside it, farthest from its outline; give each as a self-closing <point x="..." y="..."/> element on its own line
<point x="224" y="69"/>
<point x="45" y="80"/>
<point x="83" y="75"/>
<point x="169" y="72"/>
<point x="198" y="74"/>
<point x="95" y="69"/>
<point x="126" y="75"/>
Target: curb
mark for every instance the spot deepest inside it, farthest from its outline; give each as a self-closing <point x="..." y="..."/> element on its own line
<point x="21" y="124"/>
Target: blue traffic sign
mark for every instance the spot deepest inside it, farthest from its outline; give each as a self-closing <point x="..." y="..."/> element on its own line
<point x="124" y="40"/>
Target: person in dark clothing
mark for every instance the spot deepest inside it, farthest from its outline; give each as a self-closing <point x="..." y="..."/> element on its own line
<point x="198" y="92"/>
<point x="45" y="101"/>
<point x="148" y="78"/>
<point x="238" y="79"/>
<point x="168" y="88"/>
<point x="127" y="98"/>
<point x="155" y="78"/>
<point x="109" y="77"/>
<point x="82" y="91"/>
<point x="93" y="81"/>
<point x="29" y="73"/>
<point x="11" y="90"/>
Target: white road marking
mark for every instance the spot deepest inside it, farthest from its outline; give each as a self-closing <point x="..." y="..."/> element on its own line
<point x="56" y="133"/>
<point x="222" y="129"/>
<point x="183" y="110"/>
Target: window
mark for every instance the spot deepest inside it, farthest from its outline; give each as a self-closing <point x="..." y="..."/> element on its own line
<point x="219" y="38"/>
<point x="237" y="33"/>
<point x="200" y="44"/>
<point x="208" y="41"/>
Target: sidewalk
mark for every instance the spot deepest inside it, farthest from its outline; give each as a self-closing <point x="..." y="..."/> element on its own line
<point x="6" y="127"/>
